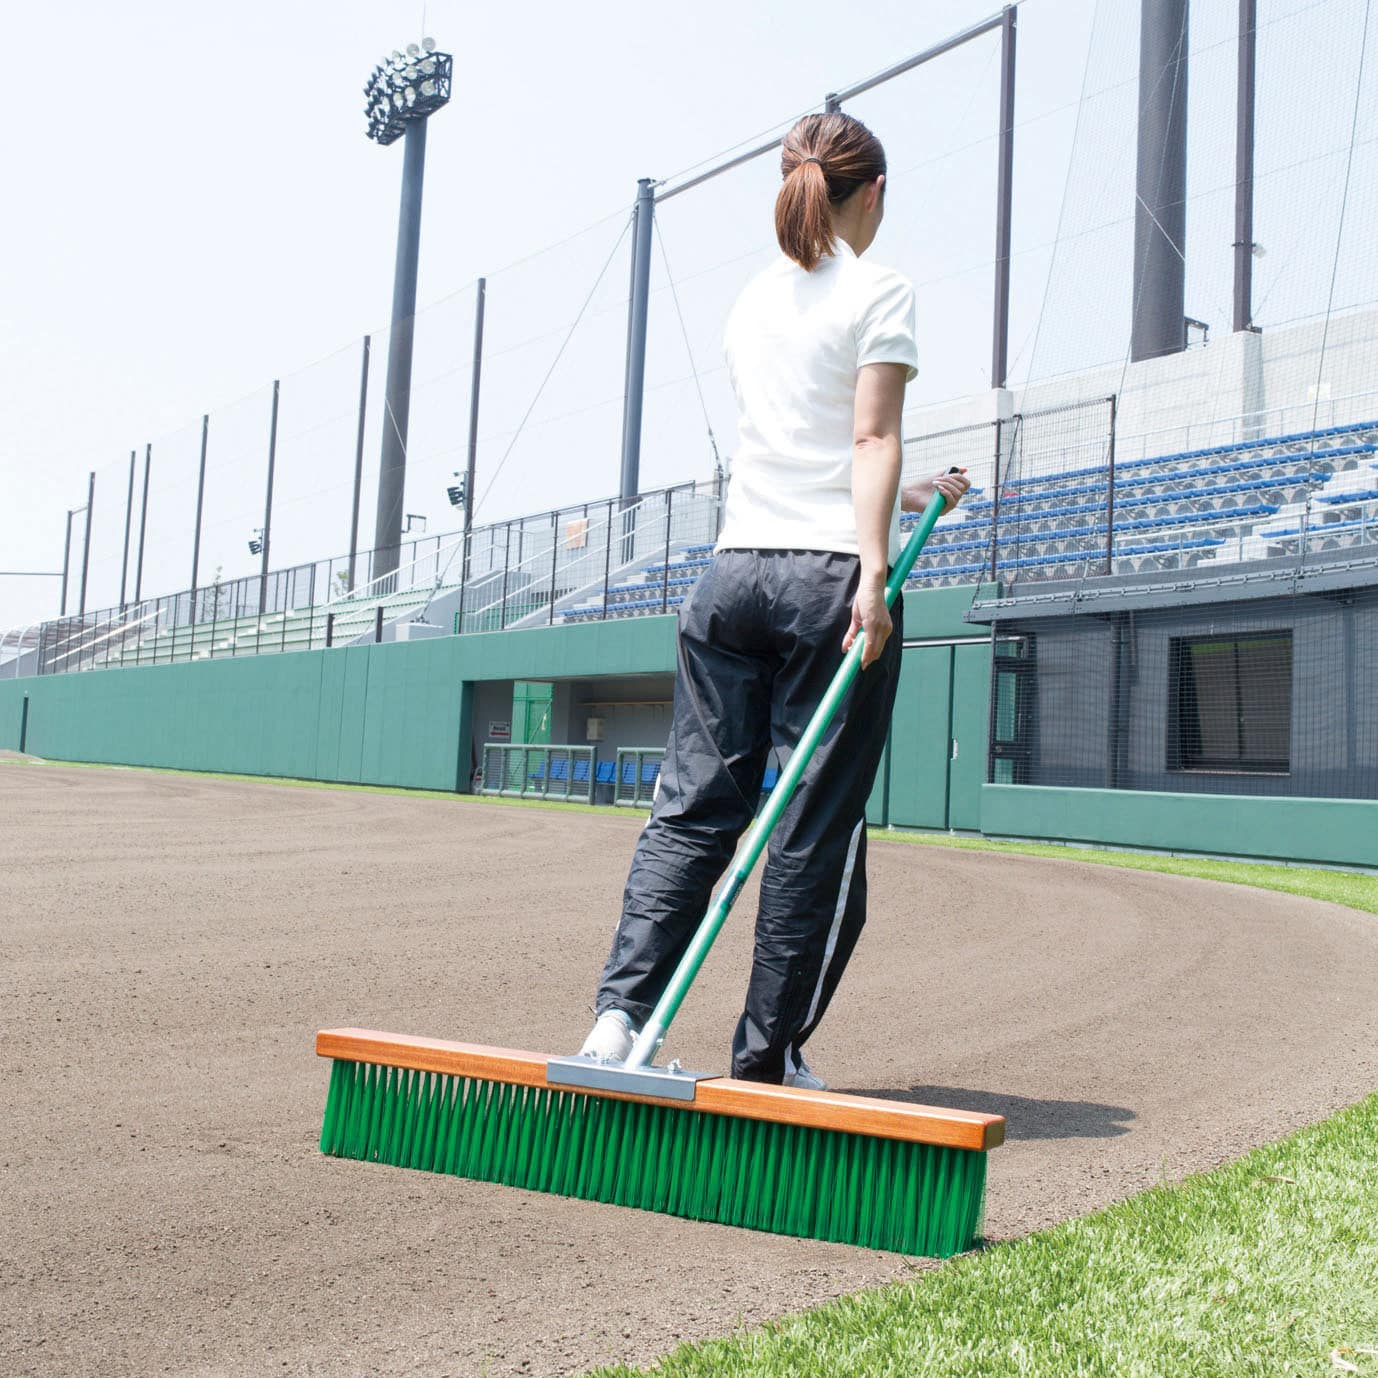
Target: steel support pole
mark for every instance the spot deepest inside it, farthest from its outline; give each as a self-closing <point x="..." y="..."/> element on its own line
<point x="268" y="502"/>
<point x="836" y="99"/>
<point x="200" y="501"/>
<point x="86" y="539"/>
<point x="128" y="519"/>
<point x="636" y="342"/>
<point x="358" y="468"/>
<point x="1160" y="204"/>
<point x="471" y="463"/>
<point x="392" y="472"/>
<point x="66" y="563"/>
<point x="1244" y="168"/>
<point x="143" y="528"/>
<point x="1000" y="327"/>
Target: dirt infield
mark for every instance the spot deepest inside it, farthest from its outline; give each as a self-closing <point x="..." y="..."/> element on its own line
<point x="172" y="944"/>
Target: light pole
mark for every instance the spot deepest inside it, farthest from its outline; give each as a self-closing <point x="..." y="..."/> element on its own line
<point x="400" y="94"/>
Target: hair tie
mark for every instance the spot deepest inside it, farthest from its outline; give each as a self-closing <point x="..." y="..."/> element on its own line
<point x="812" y="159"/>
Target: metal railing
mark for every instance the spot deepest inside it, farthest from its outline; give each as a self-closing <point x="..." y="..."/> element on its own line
<point x="540" y="772"/>
<point x="637" y="775"/>
<point x="587" y="562"/>
<point x="523" y="572"/>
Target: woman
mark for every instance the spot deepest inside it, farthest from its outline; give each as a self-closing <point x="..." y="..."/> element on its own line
<point x="819" y="347"/>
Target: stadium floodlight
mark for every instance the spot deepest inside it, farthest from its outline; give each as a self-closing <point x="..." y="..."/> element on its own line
<point x="395" y="94"/>
<point x="455" y="492"/>
<point x="399" y="103"/>
<point x="256" y="541"/>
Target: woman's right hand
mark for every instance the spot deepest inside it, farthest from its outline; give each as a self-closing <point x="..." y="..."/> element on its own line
<point x="869" y="614"/>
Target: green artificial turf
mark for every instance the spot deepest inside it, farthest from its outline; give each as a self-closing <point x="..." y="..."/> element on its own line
<point x="1357" y="889"/>
<point x="1264" y="1268"/>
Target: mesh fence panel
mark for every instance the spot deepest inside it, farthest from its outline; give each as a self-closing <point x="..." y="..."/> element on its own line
<point x="1271" y="696"/>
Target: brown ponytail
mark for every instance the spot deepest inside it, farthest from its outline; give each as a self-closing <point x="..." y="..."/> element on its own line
<point x="823" y="160"/>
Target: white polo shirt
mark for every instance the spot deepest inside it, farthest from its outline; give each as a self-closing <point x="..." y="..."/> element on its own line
<point x="794" y="342"/>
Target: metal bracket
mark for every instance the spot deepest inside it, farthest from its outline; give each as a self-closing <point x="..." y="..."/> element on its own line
<point x="665" y="1083"/>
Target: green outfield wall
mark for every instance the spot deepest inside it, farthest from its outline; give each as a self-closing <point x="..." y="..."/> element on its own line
<point x="401" y="713"/>
<point x="1340" y="832"/>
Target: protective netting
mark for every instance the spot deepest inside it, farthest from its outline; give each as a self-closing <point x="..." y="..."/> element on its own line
<point x="1257" y="696"/>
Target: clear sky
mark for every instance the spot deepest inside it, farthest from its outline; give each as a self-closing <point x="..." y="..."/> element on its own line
<point x="194" y="210"/>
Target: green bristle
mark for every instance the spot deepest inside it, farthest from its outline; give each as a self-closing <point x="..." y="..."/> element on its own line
<point x="818" y="1183"/>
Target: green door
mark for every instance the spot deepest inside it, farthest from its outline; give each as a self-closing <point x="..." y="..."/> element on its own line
<point x="531" y="711"/>
<point x="919" y="739"/>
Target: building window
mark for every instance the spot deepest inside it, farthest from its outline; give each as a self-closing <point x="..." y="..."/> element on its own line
<point x="1231" y="703"/>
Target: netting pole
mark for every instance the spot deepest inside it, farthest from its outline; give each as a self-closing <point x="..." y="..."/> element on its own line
<point x="86" y="540"/>
<point x="66" y="563"/>
<point x="196" y="529"/>
<point x="1244" y="168"/>
<point x="1000" y="343"/>
<point x="128" y="520"/>
<point x="471" y="462"/>
<point x="268" y="502"/>
<point x="636" y="342"/>
<point x="358" y="464"/>
<point x="143" y="527"/>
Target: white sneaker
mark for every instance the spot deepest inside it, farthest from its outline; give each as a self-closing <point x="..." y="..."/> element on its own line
<point x="804" y="1076"/>
<point x="611" y="1038"/>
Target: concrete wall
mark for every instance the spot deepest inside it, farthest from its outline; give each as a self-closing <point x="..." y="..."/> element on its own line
<point x="1334" y="831"/>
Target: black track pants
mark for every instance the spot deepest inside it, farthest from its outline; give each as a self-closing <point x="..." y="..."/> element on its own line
<point x="759" y="641"/>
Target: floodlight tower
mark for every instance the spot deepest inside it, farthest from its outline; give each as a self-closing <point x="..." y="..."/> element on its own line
<point x="402" y="91"/>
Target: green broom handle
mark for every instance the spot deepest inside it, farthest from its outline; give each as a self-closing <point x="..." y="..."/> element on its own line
<point x="653" y="1035"/>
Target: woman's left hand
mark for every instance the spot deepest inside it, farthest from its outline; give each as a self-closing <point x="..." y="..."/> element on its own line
<point x="916" y="495"/>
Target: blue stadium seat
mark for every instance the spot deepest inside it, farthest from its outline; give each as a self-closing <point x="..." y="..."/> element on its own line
<point x="606" y="774"/>
<point x="581" y="772"/>
<point x="1369" y="495"/>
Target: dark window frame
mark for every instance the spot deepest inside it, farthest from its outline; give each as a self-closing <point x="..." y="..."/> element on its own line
<point x="1185" y="754"/>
